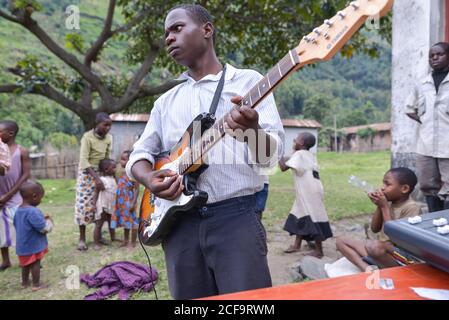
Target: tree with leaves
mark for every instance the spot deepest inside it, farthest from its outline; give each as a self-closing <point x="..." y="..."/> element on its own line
<point x="263" y="30"/>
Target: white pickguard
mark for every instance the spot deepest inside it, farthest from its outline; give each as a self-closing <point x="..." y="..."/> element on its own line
<point x="161" y="206"/>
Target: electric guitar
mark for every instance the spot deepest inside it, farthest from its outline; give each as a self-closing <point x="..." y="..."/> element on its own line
<point x="158" y="215"/>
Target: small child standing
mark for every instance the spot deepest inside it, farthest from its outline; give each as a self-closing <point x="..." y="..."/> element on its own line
<point x="308" y="218"/>
<point x="126" y="203"/>
<point x="31" y="229"/>
<point x="392" y="202"/>
<point x="105" y="200"/>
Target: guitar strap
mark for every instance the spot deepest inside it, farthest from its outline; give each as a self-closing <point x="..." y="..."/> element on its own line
<point x="214" y="104"/>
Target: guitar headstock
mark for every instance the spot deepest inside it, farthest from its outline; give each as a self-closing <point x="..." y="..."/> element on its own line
<point x="325" y="41"/>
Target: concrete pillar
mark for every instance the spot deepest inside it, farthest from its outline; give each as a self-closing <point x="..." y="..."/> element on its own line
<point x="417" y="24"/>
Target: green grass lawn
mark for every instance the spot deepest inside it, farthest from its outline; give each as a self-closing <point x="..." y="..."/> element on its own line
<point x="342" y="200"/>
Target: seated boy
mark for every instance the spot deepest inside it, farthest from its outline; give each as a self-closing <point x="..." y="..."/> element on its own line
<point x="393" y="202"/>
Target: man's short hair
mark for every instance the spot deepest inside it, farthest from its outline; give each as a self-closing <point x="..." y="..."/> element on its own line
<point x="198" y="13"/>
<point x="11" y="125"/>
<point x="405" y="176"/>
<point x="443" y="45"/>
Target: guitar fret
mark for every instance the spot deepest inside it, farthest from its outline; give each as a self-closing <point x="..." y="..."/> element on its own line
<point x="254" y="95"/>
<point x="246" y="101"/>
<point x="264" y="87"/>
<point x="280" y="72"/>
<point x="291" y="57"/>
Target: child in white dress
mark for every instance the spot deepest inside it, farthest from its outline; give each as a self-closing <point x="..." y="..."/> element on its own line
<point x="308" y="219"/>
<point x="105" y="200"/>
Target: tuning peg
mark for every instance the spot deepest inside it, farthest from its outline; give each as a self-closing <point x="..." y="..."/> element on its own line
<point x="355" y="5"/>
<point x="328" y="22"/>
<point x="307" y="38"/>
<point x="317" y="31"/>
<point x="341" y="14"/>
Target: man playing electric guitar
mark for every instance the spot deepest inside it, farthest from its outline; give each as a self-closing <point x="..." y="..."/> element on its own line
<point x="220" y="247"/>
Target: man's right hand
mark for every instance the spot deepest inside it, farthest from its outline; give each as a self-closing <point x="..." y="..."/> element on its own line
<point x="165" y="184"/>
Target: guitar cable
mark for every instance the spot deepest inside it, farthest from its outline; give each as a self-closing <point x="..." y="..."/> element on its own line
<point x="149" y="263"/>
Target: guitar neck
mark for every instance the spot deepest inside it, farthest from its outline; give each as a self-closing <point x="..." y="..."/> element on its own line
<point x="251" y="99"/>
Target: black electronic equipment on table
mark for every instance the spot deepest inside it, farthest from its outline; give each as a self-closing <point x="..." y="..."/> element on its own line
<point x="422" y="240"/>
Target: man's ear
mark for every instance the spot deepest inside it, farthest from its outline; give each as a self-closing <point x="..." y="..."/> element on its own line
<point x="405" y="188"/>
<point x="208" y="30"/>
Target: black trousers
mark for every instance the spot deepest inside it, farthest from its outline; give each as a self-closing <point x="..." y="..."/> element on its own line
<point x="220" y="248"/>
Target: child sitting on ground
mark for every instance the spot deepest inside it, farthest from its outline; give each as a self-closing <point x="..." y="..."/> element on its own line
<point x="5" y="158"/>
<point x="105" y="201"/>
<point x="393" y="202"/>
<point x="308" y="218"/>
<point x="126" y="203"/>
<point x="31" y="229"/>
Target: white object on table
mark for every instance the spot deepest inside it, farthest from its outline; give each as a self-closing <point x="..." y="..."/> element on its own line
<point x="415" y="220"/>
<point x="434" y="294"/>
<point x="439" y="222"/>
<point x="443" y="230"/>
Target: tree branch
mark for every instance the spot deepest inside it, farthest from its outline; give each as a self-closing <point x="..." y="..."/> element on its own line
<point x="139" y="17"/>
<point x="106" y="33"/>
<point x="51" y="93"/>
<point x="132" y="91"/>
<point x="9" y="88"/>
<point x="8" y="17"/>
<point x="146" y="91"/>
<point x="24" y="19"/>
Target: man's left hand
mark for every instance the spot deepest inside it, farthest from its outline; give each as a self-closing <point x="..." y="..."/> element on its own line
<point x="242" y="118"/>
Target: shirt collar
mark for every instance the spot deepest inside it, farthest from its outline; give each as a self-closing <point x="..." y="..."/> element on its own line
<point x="429" y="79"/>
<point x="230" y="72"/>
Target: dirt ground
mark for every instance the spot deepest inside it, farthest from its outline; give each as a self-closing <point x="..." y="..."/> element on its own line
<point x="278" y="240"/>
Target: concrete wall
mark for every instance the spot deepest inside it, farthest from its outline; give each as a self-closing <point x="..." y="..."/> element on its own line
<point x="417" y="24"/>
<point x="124" y="134"/>
<point x="379" y="142"/>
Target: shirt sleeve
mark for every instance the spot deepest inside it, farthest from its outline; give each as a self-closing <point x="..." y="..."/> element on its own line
<point x="411" y="210"/>
<point x="297" y="162"/>
<point x="271" y="124"/>
<point x="36" y="219"/>
<point x="149" y="144"/>
<point x="84" y="153"/>
<point x="411" y="103"/>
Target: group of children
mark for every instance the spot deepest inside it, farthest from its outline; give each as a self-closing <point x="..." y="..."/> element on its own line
<point x="308" y="219"/>
<point x="22" y="224"/>
<point x="100" y="197"/>
<point x="25" y="226"/>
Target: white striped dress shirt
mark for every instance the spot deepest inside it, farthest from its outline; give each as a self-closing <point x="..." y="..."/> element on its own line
<point x="175" y="110"/>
